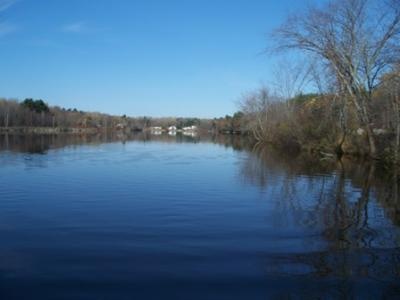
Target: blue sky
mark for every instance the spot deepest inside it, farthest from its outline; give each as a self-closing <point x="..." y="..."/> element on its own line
<point x="138" y="57"/>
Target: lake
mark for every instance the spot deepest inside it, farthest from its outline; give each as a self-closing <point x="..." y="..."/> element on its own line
<point x="175" y="217"/>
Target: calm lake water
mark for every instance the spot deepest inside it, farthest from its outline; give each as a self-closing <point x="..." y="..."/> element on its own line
<point x="191" y="218"/>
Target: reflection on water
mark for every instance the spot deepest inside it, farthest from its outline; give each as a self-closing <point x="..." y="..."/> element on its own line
<point x="40" y="144"/>
<point x="212" y="217"/>
<point x="354" y="207"/>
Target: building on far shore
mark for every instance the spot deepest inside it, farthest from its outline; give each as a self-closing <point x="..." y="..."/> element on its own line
<point x="190" y="129"/>
<point x="172" y="128"/>
<point x="156" y="130"/>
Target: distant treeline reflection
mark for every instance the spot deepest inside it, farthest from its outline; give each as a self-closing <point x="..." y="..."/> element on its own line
<point x="40" y="144"/>
<point x="353" y="205"/>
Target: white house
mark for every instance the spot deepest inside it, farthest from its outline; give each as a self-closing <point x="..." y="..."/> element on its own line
<point x="190" y="128"/>
<point x="156" y="130"/>
<point x="172" y="128"/>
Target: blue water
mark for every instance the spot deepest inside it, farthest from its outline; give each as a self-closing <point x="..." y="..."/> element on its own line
<point x="168" y="220"/>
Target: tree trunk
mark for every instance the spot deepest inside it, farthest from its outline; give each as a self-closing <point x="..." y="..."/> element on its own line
<point x="343" y="127"/>
<point x="361" y="103"/>
<point x="397" y="145"/>
<point x="6" y="119"/>
<point x="397" y="120"/>
<point x="371" y="141"/>
<point x="339" y="148"/>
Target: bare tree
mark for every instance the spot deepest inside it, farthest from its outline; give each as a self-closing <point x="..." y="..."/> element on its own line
<point x="291" y="77"/>
<point x="257" y="107"/>
<point x="395" y="97"/>
<point x="391" y="89"/>
<point x="328" y="87"/>
<point x="357" y="39"/>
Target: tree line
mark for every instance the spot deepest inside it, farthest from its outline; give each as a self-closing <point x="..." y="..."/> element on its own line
<point x="37" y="113"/>
<point x="341" y="93"/>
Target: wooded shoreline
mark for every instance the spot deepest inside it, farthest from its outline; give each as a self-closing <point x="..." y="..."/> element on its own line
<point x="47" y="130"/>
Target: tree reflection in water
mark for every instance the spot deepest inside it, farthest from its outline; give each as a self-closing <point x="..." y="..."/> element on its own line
<point x="353" y="206"/>
<point x="350" y="209"/>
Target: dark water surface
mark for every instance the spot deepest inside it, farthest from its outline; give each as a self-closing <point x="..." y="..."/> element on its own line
<point x="191" y="218"/>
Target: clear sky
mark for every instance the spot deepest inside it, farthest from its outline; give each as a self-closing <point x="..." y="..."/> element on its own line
<point x="138" y="57"/>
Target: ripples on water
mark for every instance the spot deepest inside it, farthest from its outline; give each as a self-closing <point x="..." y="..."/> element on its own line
<point x="191" y="218"/>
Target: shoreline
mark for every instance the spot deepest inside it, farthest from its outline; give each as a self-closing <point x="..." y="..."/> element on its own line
<point x="48" y="130"/>
<point x="319" y="150"/>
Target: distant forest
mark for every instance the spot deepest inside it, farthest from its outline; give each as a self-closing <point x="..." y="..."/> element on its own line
<point x="37" y="113"/>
